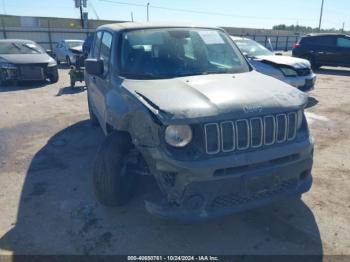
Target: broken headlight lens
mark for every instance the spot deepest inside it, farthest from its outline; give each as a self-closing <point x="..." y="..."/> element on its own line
<point x="288" y="71"/>
<point x="178" y="135"/>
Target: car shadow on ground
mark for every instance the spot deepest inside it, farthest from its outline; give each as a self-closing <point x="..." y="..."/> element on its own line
<point x="68" y="90"/>
<point x="10" y="87"/>
<point x="58" y="214"/>
<point x="312" y="102"/>
<point x="333" y="71"/>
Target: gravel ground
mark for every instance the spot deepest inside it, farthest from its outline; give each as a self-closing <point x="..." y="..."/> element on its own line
<point x="48" y="207"/>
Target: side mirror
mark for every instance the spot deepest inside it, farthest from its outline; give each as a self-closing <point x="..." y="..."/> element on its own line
<point x="94" y="66"/>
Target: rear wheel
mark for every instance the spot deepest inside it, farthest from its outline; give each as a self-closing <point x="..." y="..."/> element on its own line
<point x="114" y="181"/>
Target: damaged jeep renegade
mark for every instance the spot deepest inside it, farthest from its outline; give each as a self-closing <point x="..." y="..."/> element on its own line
<point x="181" y="103"/>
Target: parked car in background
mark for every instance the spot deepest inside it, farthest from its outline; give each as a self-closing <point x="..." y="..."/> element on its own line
<point x="184" y="105"/>
<point x="324" y="49"/>
<point x="294" y="71"/>
<point x="22" y="60"/>
<point x="66" y="51"/>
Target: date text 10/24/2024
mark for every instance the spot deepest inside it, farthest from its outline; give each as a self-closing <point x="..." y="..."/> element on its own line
<point x="173" y="258"/>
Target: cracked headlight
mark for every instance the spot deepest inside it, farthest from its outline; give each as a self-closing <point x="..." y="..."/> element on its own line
<point x="178" y="135"/>
<point x="288" y="71"/>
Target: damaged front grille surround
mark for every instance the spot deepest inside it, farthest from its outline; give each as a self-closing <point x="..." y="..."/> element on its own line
<point x="250" y="133"/>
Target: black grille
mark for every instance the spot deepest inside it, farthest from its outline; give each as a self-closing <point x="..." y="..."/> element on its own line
<point x="32" y="72"/>
<point x="237" y="199"/>
<point x="243" y="134"/>
<point x="303" y="71"/>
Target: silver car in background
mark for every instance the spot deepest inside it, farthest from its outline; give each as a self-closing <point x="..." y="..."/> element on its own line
<point x="294" y="71"/>
<point x="66" y="51"/>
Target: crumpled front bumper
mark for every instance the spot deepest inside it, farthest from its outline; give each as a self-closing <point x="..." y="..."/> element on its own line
<point x="230" y="190"/>
<point x="14" y="73"/>
<point x="303" y="83"/>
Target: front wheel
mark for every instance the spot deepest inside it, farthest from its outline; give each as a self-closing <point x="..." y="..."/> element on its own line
<point x="114" y="181"/>
<point x="54" y="77"/>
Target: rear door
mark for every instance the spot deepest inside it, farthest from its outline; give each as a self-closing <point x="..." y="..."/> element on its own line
<point x="343" y="44"/>
<point x="325" y="50"/>
<point x="59" y="51"/>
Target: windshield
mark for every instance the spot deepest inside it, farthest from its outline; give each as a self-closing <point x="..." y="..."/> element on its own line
<point x="167" y="53"/>
<point x="72" y="44"/>
<point x="9" y="48"/>
<point x="252" y="48"/>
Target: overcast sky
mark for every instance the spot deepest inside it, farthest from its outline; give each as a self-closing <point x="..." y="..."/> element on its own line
<point x="237" y="13"/>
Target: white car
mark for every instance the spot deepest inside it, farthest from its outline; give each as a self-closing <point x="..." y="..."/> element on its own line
<point x="67" y="50"/>
<point x="294" y="71"/>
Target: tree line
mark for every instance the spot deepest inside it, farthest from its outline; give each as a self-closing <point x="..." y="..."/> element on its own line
<point x="300" y="28"/>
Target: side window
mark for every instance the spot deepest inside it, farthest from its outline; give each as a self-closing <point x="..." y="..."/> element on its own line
<point x="105" y="51"/>
<point x="343" y="42"/>
<point x="324" y="41"/>
<point x="97" y="44"/>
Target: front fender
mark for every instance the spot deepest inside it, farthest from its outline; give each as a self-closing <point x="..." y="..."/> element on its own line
<point x="126" y="113"/>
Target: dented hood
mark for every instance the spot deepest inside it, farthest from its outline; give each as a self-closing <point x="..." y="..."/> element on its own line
<point x="220" y="96"/>
<point x="285" y="60"/>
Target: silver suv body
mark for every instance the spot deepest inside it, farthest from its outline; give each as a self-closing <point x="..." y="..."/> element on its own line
<point x="182" y="104"/>
<point x="294" y="71"/>
<point x="67" y="50"/>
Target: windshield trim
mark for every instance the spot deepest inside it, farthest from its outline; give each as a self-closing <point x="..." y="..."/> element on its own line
<point x="119" y="44"/>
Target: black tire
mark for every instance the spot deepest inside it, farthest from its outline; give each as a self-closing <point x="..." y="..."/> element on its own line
<point x="54" y="77"/>
<point x="114" y="183"/>
<point x="93" y="118"/>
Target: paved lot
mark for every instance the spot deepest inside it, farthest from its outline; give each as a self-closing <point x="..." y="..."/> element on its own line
<point x="47" y="205"/>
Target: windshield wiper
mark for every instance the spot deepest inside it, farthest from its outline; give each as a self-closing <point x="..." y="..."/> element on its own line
<point x="144" y="76"/>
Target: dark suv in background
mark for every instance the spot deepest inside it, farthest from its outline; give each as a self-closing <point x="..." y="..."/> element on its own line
<point x="324" y="49"/>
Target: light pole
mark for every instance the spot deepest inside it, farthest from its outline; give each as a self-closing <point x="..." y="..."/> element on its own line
<point x="147" y="12"/>
<point x="319" y="25"/>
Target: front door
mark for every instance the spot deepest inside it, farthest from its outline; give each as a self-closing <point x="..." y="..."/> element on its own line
<point x="91" y="80"/>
